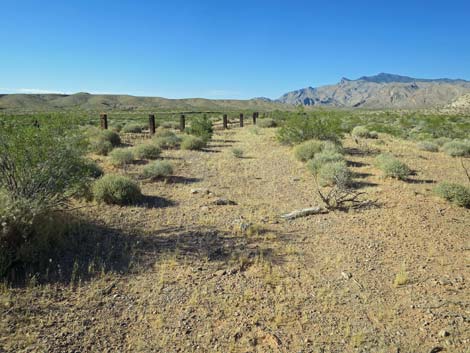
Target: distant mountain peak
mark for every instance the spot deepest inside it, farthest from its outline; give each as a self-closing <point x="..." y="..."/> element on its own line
<point x="384" y="77"/>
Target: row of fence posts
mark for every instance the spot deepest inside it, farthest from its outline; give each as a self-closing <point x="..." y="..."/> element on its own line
<point x="104" y="121"/>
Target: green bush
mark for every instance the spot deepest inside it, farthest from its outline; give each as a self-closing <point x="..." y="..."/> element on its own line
<point x="192" y="143"/>
<point x="334" y="173"/>
<point x="170" y="125"/>
<point x="158" y="169"/>
<point x="121" y="157"/>
<point x="101" y="147"/>
<point x="110" y="136"/>
<point x="132" y="128"/>
<point x="457" y="148"/>
<point x="40" y="170"/>
<point x="427" y="146"/>
<point x="363" y="132"/>
<point x="307" y="150"/>
<point x="201" y="127"/>
<point x="266" y="123"/>
<point x="392" y="167"/>
<point x="323" y="158"/>
<point x="302" y="127"/>
<point x="147" y="151"/>
<point x="440" y="141"/>
<point x="237" y="152"/>
<point x="116" y="189"/>
<point x="455" y="193"/>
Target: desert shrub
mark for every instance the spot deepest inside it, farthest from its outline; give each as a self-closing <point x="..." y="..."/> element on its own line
<point x="117" y="128"/>
<point x="334" y="173"/>
<point x="237" y="152"/>
<point x="455" y="193"/>
<point x="147" y="151"/>
<point x="40" y="170"/>
<point x="457" y="148"/>
<point x="373" y="135"/>
<point x="101" y="147"/>
<point x="392" y="167"/>
<point x="110" y="136"/>
<point x="332" y="147"/>
<point x="363" y="132"/>
<point x="427" y="146"/>
<point x="92" y="169"/>
<point x="121" y="157"/>
<point x="190" y="142"/>
<point x="266" y="123"/>
<point x="255" y="130"/>
<point x="307" y="150"/>
<point x="117" y="190"/>
<point x="323" y="158"/>
<point x="170" y="125"/>
<point x="440" y="141"/>
<point x="301" y="127"/>
<point x="166" y="139"/>
<point x="158" y="169"/>
<point x="201" y="127"/>
<point x="132" y="128"/>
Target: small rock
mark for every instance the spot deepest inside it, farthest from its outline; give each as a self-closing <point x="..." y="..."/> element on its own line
<point x="200" y="191"/>
<point x="295" y="179"/>
<point x="444" y="333"/>
<point x="224" y="202"/>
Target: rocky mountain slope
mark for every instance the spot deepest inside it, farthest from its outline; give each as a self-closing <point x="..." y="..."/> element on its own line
<point x="381" y="91"/>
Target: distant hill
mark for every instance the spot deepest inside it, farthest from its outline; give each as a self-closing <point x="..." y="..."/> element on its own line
<point x="381" y="91"/>
<point x="93" y="102"/>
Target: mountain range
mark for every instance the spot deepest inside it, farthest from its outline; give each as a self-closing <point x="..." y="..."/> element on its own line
<point x="382" y="91"/>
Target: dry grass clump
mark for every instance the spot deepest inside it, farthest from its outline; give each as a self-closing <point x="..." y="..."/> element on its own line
<point x="157" y="170"/>
<point x="457" y="148"/>
<point x="111" y="136"/>
<point x="428" y="146"/>
<point x="102" y="141"/>
<point x="147" y="151"/>
<point x="392" y="167"/>
<point x="455" y="193"/>
<point x="121" y="157"/>
<point x="116" y="190"/>
<point x="191" y="142"/>
<point x="101" y="147"/>
<point x="166" y="139"/>
<point x="323" y="158"/>
<point x="237" y="152"/>
<point x="266" y="123"/>
<point x="334" y="173"/>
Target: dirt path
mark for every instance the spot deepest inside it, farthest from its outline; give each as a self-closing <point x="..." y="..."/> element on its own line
<point x="318" y="284"/>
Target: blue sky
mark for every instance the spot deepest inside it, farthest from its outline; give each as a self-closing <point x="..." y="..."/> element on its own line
<point x="225" y="49"/>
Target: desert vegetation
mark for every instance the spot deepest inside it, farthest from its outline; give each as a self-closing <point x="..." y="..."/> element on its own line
<point x="240" y="239"/>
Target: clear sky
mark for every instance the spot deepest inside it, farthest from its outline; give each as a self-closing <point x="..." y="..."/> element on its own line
<point x="225" y="49"/>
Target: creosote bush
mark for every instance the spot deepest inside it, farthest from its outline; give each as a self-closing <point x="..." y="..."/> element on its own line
<point x="201" y="127"/>
<point x="121" y="157"/>
<point x="191" y="142"/>
<point x="132" y="128"/>
<point x="307" y="150"/>
<point x="457" y="148"/>
<point x="334" y="173"/>
<point x="110" y="136"/>
<point x="392" y="167"/>
<point x="117" y="190"/>
<point x="266" y="123"/>
<point x="158" y="169"/>
<point x="455" y="193"/>
<point x="101" y="147"/>
<point x="147" y="151"/>
<point x="428" y="146"/>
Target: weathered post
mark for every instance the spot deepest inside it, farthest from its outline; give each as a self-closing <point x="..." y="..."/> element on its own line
<point x="255" y="116"/>
<point x="182" y="122"/>
<point x="36" y="124"/>
<point x="241" y="120"/>
<point x="225" y="120"/>
<point x="104" y="121"/>
<point x="152" y="124"/>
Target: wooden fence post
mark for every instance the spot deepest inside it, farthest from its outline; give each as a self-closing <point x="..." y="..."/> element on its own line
<point x="182" y="122"/>
<point x="152" y="124"/>
<point x="255" y="116"/>
<point x="225" y="120"/>
<point x="104" y="121"/>
<point x="241" y="120"/>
